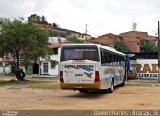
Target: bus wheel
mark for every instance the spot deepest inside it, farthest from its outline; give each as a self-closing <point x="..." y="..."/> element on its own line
<point x="112" y="87"/>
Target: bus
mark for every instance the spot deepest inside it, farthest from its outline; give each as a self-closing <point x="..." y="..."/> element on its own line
<point x="91" y="67"/>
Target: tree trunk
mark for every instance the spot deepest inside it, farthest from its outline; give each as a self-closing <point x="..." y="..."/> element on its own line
<point x="17" y="63"/>
<point x="17" y="72"/>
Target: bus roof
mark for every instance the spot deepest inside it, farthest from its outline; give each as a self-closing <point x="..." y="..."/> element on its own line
<point x="98" y="45"/>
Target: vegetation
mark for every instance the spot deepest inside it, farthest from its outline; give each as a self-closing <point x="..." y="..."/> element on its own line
<point x="24" y="40"/>
<point x="76" y="40"/>
<point x="147" y="46"/>
<point x="54" y="63"/>
<point x="37" y="19"/>
<point x="29" y="71"/>
<point x="34" y="18"/>
<point x="33" y="83"/>
<point x="143" y="83"/>
<point x="121" y="47"/>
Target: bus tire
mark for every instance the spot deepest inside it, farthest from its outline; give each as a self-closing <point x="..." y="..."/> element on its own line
<point x="112" y="87"/>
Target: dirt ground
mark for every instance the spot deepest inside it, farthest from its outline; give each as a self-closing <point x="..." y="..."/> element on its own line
<point x="21" y="97"/>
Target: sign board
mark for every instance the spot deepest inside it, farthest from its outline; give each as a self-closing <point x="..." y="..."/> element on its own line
<point x="147" y="69"/>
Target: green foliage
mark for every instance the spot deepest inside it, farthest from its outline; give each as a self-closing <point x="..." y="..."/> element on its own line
<point x="33" y="83"/>
<point x="121" y="47"/>
<point x="147" y="46"/>
<point x="13" y="68"/>
<point x="26" y="62"/>
<point x="24" y="40"/>
<point x="54" y="63"/>
<point x="75" y="40"/>
<point x="55" y="25"/>
<point x="29" y="71"/>
<point x="38" y="46"/>
<point x="37" y="19"/>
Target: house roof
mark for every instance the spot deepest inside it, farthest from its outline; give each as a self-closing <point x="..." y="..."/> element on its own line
<point x="6" y="59"/>
<point x="58" y="45"/>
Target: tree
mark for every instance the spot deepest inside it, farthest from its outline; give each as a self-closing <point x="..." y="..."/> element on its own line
<point x="37" y="19"/>
<point x="43" y="20"/>
<point x="147" y="46"/>
<point x="34" y="18"/>
<point x="55" y="25"/>
<point x="75" y="40"/>
<point x="121" y="47"/>
<point x="24" y="40"/>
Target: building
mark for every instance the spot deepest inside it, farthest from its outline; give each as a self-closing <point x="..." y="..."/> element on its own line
<point x="107" y="39"/>
<point x="74" y="34"/>
<point x="50" y="66"/>
<point x="66" y="33"/>
<point x="132" y="39"/>
<point x="5" y="64"/>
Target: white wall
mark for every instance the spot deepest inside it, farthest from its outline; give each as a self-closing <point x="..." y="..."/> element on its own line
<point x="1" y="70"/>
<point x="148" y="68"/>
<point x="56" y="39"/>
<point x="5" y="69"/>
<point x="51" y="70"/>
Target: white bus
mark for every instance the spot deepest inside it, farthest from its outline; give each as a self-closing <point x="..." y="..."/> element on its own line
<point x="91" y="67"/>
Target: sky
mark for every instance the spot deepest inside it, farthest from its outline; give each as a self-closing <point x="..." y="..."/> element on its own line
<point x="101" y="16"/>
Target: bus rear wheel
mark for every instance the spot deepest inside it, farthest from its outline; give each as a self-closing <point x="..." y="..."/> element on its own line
<point x="112" y="87"/>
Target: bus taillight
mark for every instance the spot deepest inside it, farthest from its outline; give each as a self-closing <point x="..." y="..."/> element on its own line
<point x="61" y="77"/>
<point x="97" y="78"/>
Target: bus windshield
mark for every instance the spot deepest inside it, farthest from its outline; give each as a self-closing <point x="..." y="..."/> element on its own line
<point x="79" y="53"/>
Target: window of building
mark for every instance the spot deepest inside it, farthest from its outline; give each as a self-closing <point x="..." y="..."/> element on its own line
<point x="45" y="67"/>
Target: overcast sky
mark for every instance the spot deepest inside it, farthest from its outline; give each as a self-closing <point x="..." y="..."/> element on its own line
<point x="101" y="16"/>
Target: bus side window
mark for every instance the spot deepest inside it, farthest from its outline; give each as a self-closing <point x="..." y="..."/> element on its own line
<point x="102" y="58"/>
<point x="109" y="58"/>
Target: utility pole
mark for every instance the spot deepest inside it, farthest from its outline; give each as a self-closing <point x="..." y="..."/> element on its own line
<point x="158" y="53"/>
<point x="86" y="29"/>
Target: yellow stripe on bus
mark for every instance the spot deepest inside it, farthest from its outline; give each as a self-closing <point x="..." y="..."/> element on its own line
<point x="96" y="85"/>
